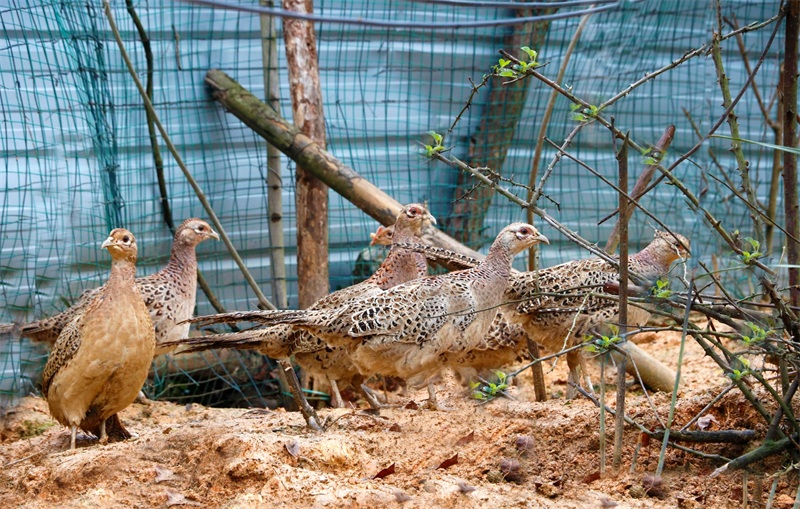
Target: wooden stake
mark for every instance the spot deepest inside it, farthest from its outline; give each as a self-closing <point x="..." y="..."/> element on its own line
<point x="311" y="195"/>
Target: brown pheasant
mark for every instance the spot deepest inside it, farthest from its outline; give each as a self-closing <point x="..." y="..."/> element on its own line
<point x="402" y="331"/>
<point x="558" y="305"/>
<point x="100" y="360"/>
<point x="312" y="353"/>
<point x="503" y="344"/>
<point x="169" y="295"/>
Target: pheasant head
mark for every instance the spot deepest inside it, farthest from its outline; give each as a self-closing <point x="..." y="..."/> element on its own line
<point x="382" y="236"/>
<point x="194" y="231"/>
<point x="410" y="222"/>
<point x="518" y="237"/>
<point x="122" y="245"/>
<point x="666" y="247"/>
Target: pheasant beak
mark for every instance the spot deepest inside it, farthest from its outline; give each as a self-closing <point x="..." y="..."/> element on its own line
<point x="542" y="238"/>
<point x="214" y="235"/>
<point x="108" y="242"/>
<point x="430" y="218"/>
<point x="373" y="237"/>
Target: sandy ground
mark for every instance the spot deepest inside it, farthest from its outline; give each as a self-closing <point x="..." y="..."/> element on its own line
<point x="506" y="453"/>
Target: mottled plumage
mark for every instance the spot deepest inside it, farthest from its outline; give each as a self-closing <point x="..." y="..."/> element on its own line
<point x="310" y="351"/>
<point x="556" y="306"/>
<point x="558" y="322"/>
<point x="401" y="331"/>
<point x="100" y="360"/>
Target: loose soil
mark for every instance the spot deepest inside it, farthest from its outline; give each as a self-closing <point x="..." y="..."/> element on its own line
<point x="505" y="453"/>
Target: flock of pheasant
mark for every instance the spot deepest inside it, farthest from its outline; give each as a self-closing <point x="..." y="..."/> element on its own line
<point x="400" y="322"/>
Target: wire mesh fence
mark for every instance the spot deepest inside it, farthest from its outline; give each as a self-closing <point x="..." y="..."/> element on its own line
<point x="78" y="159"/>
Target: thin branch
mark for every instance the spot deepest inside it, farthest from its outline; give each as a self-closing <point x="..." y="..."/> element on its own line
<point x="198" y="191"/>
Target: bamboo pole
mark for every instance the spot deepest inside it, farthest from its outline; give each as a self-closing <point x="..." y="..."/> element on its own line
<point x="272" y="90"/>
<point x="790" y="194"/>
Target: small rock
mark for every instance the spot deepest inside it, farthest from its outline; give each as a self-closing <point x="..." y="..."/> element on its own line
<point x="175" y="498"/>
<point x="548" y="490"/>
<point x="429" y="486"/>
<point x="637" y="491"/>
<point x="465" y="488"/>
<point x="401" y="496"/>
<point x="524" y="444"/>
<point x="784" y="501"/>
<point x="511" y="470"/>
<point x="607" y="502"/>
<point x="495" y="476"/>
<point x="164" y="474"/>
<point x="653" y="485"/>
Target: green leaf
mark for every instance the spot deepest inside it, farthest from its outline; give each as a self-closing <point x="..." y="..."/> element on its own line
<point x="763" y="144"/>
<point x="531" y="53"/>
<point x="503" y="62"/>
<point x="436" y="136"/>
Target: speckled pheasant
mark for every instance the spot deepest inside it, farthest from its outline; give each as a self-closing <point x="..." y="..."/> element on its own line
<point x="169" y="293"/>
<point x="503" y="344"/>
<point x="312" y="353"/>
<point x="402" y="331"/>
<point x="100" y="360"/>
<point x="559" y="322"/>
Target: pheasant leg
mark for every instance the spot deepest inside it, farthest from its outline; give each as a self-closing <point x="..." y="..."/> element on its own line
<point x="72" y="438"/>
<point x="370" y="397"/>
<point x="433" y="402"/>
<point x="577" y="371"/>
<point x="336" y="396"/>
<point x="103" y="435"/>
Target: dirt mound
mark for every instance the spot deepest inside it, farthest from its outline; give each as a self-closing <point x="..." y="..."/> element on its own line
<point x="507" y="453"/>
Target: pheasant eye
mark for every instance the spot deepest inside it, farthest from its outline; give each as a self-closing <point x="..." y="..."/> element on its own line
<point x="524" y="231"/>
<point x="201" y="228"/>
<point x="126" y="239"/>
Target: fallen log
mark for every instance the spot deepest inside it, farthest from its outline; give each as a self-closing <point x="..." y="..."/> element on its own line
<point x="268" y="124"/>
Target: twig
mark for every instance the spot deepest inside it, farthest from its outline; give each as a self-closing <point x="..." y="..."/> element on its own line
<point x="767" y="449"/>
<point x="687" y="56"/>
<point x="646" y="431"/>
<point x="673" y="400"/>
<point x="158" y="161"/>
<point x="730" y="436"/>
<point x="624" y="203"/>
<point x="168" y="141"/>
<point x="602" y="436"/>
<point x="309" y="414"/>
<point x="15" y="462"/>
<point x="736" y="147"/>
<point x="707" y="407"/>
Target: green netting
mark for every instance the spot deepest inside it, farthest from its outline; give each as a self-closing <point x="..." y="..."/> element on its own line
<point x="78" y="160"/>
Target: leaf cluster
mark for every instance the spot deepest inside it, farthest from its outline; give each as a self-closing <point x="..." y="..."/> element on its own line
<point x="484" y="390"/>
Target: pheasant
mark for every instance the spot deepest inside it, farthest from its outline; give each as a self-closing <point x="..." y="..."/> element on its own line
<point x="169" y="295"/>
<point x="559" y="322"/>
<point x="554" y="305"/>
<point x="312" y="353"/>
<point x="402" y="331"/>
<point x="503" y="344"/>
<point x="101" y="359"/>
